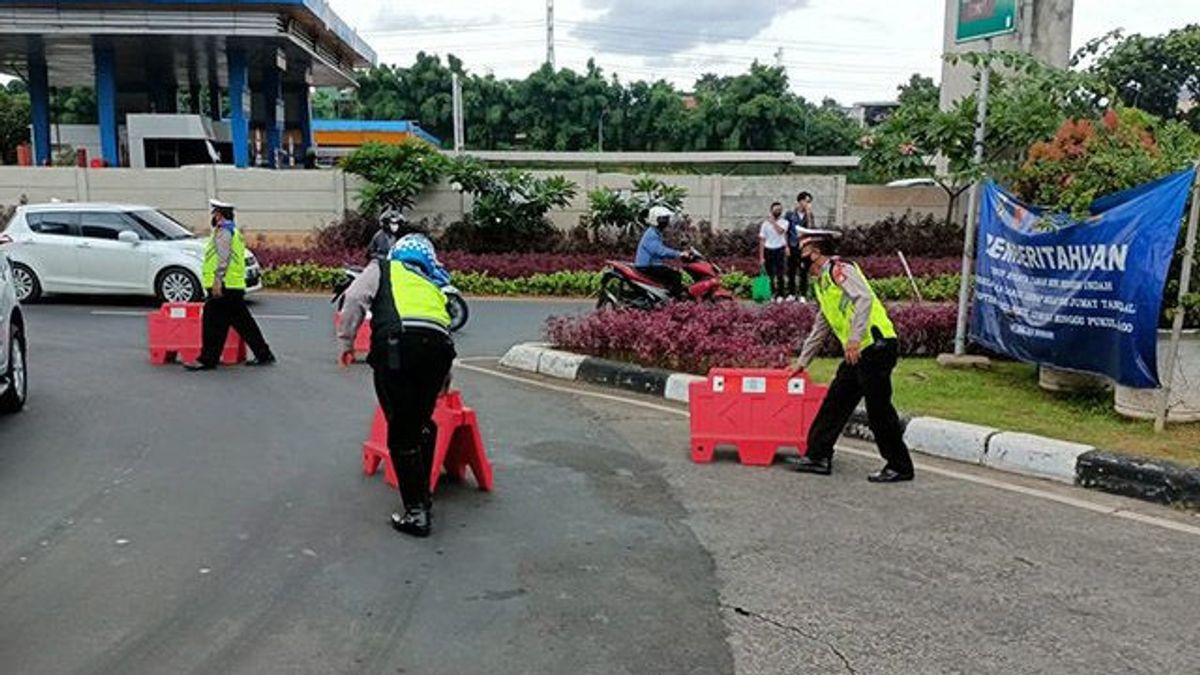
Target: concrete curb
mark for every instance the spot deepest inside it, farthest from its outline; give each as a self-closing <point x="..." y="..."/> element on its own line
<point x="1072" y="463"/>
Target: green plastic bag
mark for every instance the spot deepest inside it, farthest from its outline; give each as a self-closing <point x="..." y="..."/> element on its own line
<point x="760" y="288"/>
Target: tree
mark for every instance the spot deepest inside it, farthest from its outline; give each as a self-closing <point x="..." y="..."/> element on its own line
<point x="1151" y="73"/>
<point x="1028" y="102"/>
<point x="14" y="123"/>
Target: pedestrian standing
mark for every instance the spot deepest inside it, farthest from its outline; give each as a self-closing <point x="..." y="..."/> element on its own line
<point x="224" y="279"/>
<point x="773" y="250"/>
<point x="800" y="224"/>
<point x="411" y="354"/>
<point x="851" y="311"/>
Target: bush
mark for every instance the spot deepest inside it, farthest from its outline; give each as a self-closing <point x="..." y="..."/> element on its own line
<point x="395" y="172"/>
<point x="509" y="210"/>
<point x="620" y="214"/>
<point x="927" y="237"/>
<point x="305" y="277"/>
<point x="561" y="284"/>
<point x="695" y="338"/>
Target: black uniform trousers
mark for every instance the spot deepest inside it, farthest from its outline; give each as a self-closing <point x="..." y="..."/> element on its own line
<point x="871" y="379"/>
<point x="219" y="315"/>
<point x="797" y="273"/>
<point x="775" y="260"/>
<point x="407" y="386"/>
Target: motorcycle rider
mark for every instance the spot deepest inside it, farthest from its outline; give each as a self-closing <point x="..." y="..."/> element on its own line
<point x="652" y="253"/>
<point x="390" y="222"/>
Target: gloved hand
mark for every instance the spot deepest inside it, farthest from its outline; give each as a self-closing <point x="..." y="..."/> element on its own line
<point x="346" y="359"/>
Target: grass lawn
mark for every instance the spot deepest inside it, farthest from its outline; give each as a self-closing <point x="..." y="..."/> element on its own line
<point x="1008" y="397"/>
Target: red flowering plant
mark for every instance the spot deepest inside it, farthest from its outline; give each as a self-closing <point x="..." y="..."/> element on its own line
<point x="694" y="338"/>
<point x="1087" y="159"/>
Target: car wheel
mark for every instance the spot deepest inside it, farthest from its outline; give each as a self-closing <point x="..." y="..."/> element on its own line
<point x="13" y="400"/>
<point x="176" y="284"/>
<point x="26" y="283"/>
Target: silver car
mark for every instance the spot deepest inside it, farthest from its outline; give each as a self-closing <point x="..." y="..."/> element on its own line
<point x="109" y="249"/>
<point x="14" y="383"/>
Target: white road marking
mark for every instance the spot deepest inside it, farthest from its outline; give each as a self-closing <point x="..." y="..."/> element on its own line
<point x="994" y="483"/>
<point x="263" y="317"/>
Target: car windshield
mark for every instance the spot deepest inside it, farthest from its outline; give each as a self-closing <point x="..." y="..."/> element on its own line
<point x="161" y="225"/>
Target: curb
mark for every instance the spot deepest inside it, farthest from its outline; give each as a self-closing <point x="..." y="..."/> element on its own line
<point x="1150" y="480"/>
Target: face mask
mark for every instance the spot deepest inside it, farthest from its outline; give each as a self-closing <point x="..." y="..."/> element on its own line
<point x="394" y="228"/>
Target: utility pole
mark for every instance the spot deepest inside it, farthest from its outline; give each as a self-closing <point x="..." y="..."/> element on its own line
<point x="457" y="105"/>
<point x="964" y="289"/>
<point x="550" y="33"/>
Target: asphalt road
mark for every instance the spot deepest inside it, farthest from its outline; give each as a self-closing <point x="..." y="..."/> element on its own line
<point x="155" y="521"/>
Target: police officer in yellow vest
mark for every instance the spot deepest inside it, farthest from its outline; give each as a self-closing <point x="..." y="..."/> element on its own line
<point x="224" y="272"/>
<point x="850" y="310"/>
<point x="411" y="354"/>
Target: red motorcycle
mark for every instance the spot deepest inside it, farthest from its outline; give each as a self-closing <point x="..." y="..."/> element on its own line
<point x="622" y="285"/>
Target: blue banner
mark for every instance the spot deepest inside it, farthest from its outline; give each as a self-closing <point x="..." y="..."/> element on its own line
<point x="1078" y="295"/>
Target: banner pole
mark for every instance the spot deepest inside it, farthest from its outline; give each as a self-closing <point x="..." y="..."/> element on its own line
<point x="964" y="286"/>
<point x="1185" y="282"/>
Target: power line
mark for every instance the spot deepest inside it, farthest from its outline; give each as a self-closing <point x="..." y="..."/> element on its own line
<point x="727" y="37"/>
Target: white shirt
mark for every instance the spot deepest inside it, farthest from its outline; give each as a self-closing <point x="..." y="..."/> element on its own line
<point x="771" y="235"/>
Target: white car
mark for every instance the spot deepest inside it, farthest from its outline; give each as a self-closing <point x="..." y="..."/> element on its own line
<point x="107" y="249"/>
<point x="14" y="385"/>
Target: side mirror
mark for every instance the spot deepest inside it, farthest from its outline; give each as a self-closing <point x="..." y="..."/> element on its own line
<point x="129" y="237"/>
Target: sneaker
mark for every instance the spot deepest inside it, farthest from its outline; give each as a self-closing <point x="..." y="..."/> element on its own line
<point x="791" y="298"/>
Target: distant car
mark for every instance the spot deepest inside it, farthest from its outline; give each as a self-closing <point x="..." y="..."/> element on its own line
<point x="107" y="249"/>
<point x="14" y="383"/>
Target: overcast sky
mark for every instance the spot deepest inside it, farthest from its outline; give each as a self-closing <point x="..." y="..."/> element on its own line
<point x="852" y="50"/>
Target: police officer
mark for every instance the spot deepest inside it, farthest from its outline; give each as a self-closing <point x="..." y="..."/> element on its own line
<point x="224" y="272"/>
<point x="850" y="310"/>
<point x="411" y="354"/>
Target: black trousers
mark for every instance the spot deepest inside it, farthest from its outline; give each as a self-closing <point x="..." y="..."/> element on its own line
<point x="219" y="314"/>
<point x="797" y="273"/>
<point x="667" y="276"/>
<point x="870" y="379"/>
<point x="407" y="395"/>
<point x="775" y="260"/>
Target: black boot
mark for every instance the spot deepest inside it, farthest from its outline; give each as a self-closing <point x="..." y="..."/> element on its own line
<point x="415" y="521"/>
<point x="821" y="466"/>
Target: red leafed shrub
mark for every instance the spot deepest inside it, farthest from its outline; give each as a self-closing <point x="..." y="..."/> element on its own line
<point x="694" y="338"/>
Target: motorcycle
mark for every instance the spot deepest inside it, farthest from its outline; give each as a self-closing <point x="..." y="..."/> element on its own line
<point x="622" y="285"/>
<point x="456" y="305"/>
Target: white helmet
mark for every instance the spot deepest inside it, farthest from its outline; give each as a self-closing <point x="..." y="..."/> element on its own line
<point x="658" y="213"/>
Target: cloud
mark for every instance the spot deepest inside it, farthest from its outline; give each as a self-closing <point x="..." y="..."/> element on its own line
<point x="666" y="27"/>
<point x="388" y="18"/>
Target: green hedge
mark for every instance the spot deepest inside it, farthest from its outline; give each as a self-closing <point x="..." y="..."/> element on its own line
<point x="309" y="277"/>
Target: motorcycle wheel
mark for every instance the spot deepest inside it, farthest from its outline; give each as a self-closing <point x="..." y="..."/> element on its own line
<point x="607" y="298"/>
<point x="459" y="312"/>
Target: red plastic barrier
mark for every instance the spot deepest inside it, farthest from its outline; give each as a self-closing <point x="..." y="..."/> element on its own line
<point x="175" y="332"/>
<point x="459" y="445"/>
<point x="757" y="411"/>
<point x="362" y="340"/>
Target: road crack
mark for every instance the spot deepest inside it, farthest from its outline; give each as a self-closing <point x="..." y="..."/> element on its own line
<point x="833" y="648"/>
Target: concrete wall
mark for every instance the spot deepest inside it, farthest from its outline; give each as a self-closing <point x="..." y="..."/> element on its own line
<point x="870" y="203"/>
<point x="289" y="205"/>
<point x="267" y="201"/>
